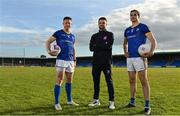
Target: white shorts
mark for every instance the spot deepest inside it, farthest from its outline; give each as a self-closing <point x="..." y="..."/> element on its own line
<point x="67" y="66"/>
<point x="136" y="64"/>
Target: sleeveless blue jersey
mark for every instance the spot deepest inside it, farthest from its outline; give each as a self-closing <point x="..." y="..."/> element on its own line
<point x="136" y="37"/>
<point x="66" y="43"/>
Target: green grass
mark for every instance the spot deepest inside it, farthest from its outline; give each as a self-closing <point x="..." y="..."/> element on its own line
<point x="29" y="90"/>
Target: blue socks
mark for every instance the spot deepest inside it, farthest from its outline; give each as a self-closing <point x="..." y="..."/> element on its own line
<point x="147" y="104"/>
<point x="57" y="91"/>
<point x="132" y="101"/>
<point x="69" y="91"/>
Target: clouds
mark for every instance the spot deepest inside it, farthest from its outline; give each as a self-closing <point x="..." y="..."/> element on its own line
<point x="4" y="29"/>
<point x="164" y="22"/>
<point x="15" y="30"/>
<point x="27" y="37"/>
<point x="162" y="17"/>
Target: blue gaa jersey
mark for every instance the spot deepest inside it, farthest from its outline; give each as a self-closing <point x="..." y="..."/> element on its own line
<point x="136" y="37"/>
<point x="66" y="43"/>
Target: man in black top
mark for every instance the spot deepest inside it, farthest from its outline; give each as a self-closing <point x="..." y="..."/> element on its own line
<point x="101" y="46"/>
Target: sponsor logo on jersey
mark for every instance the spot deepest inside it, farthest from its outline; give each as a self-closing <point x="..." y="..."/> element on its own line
<point x="63" y="34"/>
<point x="108" y="71"/>
<point x="137" y="29"/>
<point x="131" y="36"/>
<point x="132" y="30"/>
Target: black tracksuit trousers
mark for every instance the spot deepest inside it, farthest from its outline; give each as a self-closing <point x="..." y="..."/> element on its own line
<point x="96" y="72"/>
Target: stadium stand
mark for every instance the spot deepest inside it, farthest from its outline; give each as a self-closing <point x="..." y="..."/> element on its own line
<point x="165" y="59"/>
<point x="119" y="61"/>
<point x="160" y="59"/>
<point x="84" y="61"/>
<point x="176" y="63"/>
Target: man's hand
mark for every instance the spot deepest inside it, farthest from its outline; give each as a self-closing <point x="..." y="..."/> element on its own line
<point x="149" y="54"/>
<point x="48" y="44"/>
<point x="74" y="63"/>
<point x="126" y="54"/>
<point x="52" y="53"/>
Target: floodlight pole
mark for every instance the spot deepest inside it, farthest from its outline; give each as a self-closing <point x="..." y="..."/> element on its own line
<point x="24" y="58"/>
<point x="2" y="61"/>
<point x="12" y="62"/>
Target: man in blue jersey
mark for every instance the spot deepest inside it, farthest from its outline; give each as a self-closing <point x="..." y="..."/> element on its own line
<point x="134" y="36"/>
<point x="65" y="62"/>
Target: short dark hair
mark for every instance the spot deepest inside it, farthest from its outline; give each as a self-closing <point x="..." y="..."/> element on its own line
<point x="134" y="10"/>
<point x="67" y="18"/>
<point x="102" y="18"/>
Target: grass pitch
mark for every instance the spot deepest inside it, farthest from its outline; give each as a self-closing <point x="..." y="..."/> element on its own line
<point x="29" y="90"/>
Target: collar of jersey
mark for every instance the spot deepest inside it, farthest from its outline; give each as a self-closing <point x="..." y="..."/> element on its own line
<point x="65" y="32"/>
<point x="135" y="26"/>
<point x="103" y="30"/>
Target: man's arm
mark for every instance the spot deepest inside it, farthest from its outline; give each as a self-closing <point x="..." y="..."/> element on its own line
<point x="74" y="56"/>
<point x="74" y="53"/>
<point x="110" y="43"/>
<point x="153" y="41"/>
<point x="92" y="44"/>
<point x="125" y="47"/>
<point x="48" y="43"/>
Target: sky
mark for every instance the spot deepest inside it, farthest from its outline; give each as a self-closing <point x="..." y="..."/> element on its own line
<point x="25" y="25"/>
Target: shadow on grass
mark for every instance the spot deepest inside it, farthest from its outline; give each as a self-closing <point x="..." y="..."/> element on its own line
<point x="70" y="110"/>
<point x="34" y="110"/>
